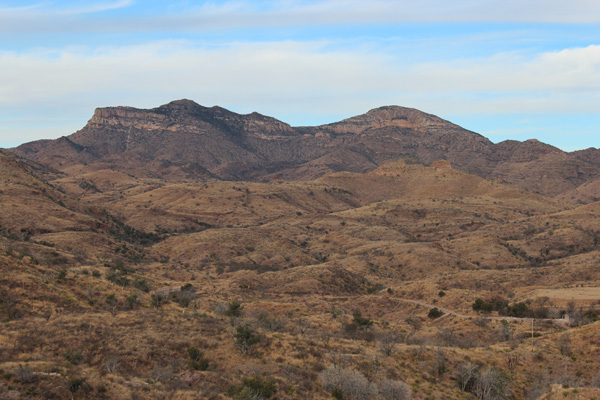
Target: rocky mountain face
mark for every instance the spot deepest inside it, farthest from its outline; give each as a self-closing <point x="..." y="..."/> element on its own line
<point x="184" y="141"/>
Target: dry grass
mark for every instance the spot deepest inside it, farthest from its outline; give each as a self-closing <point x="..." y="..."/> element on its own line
<point x="301" y="258"/>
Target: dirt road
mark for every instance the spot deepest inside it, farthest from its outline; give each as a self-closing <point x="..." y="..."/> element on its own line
<point x="450" y="312"/>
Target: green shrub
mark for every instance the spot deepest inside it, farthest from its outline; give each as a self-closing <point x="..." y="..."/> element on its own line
<point x="255" y="388"/>
<point x="234" y="309"/>
<point x="197" y="359"/>
<point x="141" y="284"/>
<point x="73" y="356"/>
<point x="245" y="338"/>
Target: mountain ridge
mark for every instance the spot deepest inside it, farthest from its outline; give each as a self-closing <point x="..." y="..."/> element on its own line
<point x="185" y="141"/>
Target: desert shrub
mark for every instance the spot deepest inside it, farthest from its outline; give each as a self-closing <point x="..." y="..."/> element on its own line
<point x="564" y="345"/>
<point x="435" y="313"/>
<point x="112" y="364"/>
<point x="245" y="337"/>
<point x="234" y="309"/>
<point x="132" y="301"/>
<point x="221" y="308"/>
<point x="394" y="390"/>
<point x="141" y="284"/>
<point x="520" y="310"/>
<point x="265" y="321"/>
<point x="467" y="376"/>
<point x="344" y="383"/>
<point x="75" y="384"/>
<point x="9" y="309"/>
<point x="492" y="384"/>
<point x="486" y="307"/>
<point x="363" y="323"/>
<point x="496" y="303"/>
<point x="358" y="324"/>
<point x="388" y="342"/>
<point x="590" y="316"/>
<point x="118" y="279"/>
<point x="246" y="393"/>
<point x="73" y="356"/>
<point x="25" y="374"/>
<point x="255" y="388"/>
<point x="158" y="300"/>
<point x="197" y="359"/>
<point x="110" y="300"/>
<point x="162" y="373"/>
<point x="184" y="296"/>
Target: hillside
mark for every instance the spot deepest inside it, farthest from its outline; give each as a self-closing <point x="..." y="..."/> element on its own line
<point x="185" y="142"/>
<point x="118" y="284"/>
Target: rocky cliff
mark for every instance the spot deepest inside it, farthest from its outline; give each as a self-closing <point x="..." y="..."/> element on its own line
<point x="183" y="140"/>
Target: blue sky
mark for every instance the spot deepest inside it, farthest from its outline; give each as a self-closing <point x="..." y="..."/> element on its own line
<point x="506" y="69"/>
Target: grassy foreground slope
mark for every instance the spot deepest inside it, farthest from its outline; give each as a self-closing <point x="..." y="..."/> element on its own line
<point x="122" y="287"/>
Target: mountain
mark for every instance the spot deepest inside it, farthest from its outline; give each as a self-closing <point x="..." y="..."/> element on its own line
<point x="184" y="141"/>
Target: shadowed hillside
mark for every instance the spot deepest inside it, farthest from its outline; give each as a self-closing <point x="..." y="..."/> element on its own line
<point x="183" y="141"/>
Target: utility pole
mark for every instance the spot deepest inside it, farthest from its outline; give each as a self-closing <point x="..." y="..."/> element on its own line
<point x="532" y="334"/>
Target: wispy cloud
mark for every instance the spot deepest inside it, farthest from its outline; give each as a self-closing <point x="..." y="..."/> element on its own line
<point x="370" y="11"/>
<point x="48" y="9"/>
<point x="263" y="14"/>
<point x="5" y="9"/>
<point x="94" y="8"/>
<point x="307" y="76"/>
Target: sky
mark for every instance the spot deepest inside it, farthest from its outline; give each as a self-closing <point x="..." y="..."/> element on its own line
<point x="506" y="69"/>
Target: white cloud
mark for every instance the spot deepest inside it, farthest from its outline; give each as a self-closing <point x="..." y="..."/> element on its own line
<point x="284" y="79"/>
<point x="576" y="69"/>
<point x="357" y="11"/>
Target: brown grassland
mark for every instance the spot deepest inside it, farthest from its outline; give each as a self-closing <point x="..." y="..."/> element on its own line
<point x="117" y="287"/>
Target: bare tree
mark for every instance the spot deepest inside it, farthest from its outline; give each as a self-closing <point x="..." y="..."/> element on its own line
<point x="387" y="343"/>
<point x="492" y="385"/>
<point x="25" y="374"/>
<point x="467" y="375"/>
<point x="162" y="373"/>
<point x="303" y="325"/>
<point x="394" y="390"/>
<point x="220" y="308"/>
<point x="347" y="383"/>
<point x="112" y="364"/>
<point x="564" y="345"/>
<point x="511" y="360"/>
<point x="338" y="359"/>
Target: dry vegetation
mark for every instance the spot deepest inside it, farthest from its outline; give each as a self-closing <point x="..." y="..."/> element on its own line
<point x="119" y="287"/>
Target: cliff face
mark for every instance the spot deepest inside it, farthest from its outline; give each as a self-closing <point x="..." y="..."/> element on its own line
<point x="183" y="140"/>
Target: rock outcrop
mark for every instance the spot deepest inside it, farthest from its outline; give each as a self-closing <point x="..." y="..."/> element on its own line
<point x="184" y="141"/>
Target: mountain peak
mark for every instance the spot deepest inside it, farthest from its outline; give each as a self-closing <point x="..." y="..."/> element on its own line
<point x="394" y="116"/>
<point x="183" y="102"/>
<point x="183" y="105"/>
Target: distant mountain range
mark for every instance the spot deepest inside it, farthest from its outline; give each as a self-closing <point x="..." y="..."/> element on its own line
<point x="184" y="141"/>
